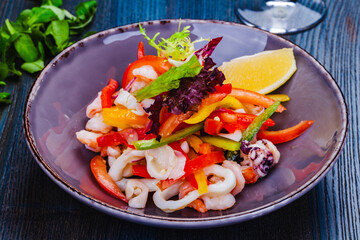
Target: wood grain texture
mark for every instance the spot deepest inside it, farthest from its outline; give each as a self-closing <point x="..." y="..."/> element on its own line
<point x="33" y="207"/>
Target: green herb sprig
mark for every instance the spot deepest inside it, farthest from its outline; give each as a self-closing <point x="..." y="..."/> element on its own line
<point x="178" y="46"/>
<point x="38" y="33"/>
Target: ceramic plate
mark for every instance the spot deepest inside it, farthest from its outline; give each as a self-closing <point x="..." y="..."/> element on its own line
<point x="56" y="104"/>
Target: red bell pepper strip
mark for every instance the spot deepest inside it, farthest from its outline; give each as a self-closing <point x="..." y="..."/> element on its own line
<point x="233" y="117"/>
<point x="247" y="96"/>
<point x="193" y="166"/>
<point x="285" y="135"/>
<point x="232" y="121"/>
<point x="212" y="126"/>
<point x="98" y="168"/>
<point x="110" y="139"/>
<point x="106" y="100"/>
<point x="226" y="88"/>
<point x="142" y="134"/>
<point x="203" y="161"/>
<point x="192" y="180"/>
<point x="160" y="66"/>
<point x="248" y="118"/>
<point x="141" y="171"/>
<point x="141" y="50"/>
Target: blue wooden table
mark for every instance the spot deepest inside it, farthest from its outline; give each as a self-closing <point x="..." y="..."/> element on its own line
<point x="33" y="207"/>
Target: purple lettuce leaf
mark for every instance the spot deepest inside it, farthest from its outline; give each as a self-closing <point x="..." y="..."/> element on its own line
<point x="208" y="49"/>
<point x="192" y="90"/>
<point x="154" y="111"/>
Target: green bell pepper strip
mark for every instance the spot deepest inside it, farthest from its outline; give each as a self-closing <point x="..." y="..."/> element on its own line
<point x="153" y="143"/>
<point x="253" y="129"/>
<point x="256" y="124"/>
<point x="222" y="142"/>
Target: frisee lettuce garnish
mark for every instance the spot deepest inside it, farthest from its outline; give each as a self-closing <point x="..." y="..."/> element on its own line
<point x="177" y="47"/>
<point x="169" y="80"/>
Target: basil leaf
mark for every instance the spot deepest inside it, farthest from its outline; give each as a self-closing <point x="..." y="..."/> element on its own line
<point x="2" y="83"/>
<point x="41" y="50"/>
<point x="59" y="12"/>
<point x="57" y="36"/>
<point x="33" y="67"/>
<point x="88" y="34"/>
<point x="24" y="16"/>
<point x="170" y="79"/>
<point x="13" y="70"/>
<point x="85" y="12"/>
<point x="4" y="97"/>
<point x="41" y="15"/>
<point x="4" y="71"/>
<point x="25" y="48"/>
<point x="56" y="3"/>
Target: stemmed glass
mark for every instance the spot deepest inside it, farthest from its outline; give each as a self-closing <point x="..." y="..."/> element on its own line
<point x="281" y="16"/>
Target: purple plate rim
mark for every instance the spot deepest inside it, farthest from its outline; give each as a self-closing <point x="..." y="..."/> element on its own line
<point x="182" y="222"/>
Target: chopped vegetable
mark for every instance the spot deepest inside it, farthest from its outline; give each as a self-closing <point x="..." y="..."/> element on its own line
<point x="213" y="127"/>
<point x="203" y="161"/>
<point x="110" y="139"/>
<point x="141" y="50"/>
<point x="171" y="123"/>
<point x="279" y="97"/>
<point x="141" y="171"/>
<point x="169" y="80"/>
<point x="222" y="142"/>
<point x="159" y="64"/>
<point x="153" y="143"/>
<point x="285" y="135"/>
<point x="194" y="142"/>
<point x="247" y="96"/>
<point x="192" y="91"/>
<point x="205" y="111"/>
<point x="207" y="50"/>
<point x="107" y="92"/>
<point x="98" y="168"/>
<point x="201" y="181"/>
<point x="123" y="118"/>
<point x="256" y="124"/>
<point x="154" y="110"/>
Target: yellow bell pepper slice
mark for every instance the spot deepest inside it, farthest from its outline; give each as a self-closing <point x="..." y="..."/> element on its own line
<point x="279" y="97"/>
<point x="201" y="181"/>
<point x="204" y="112"/>
<point x="123" y="118"/>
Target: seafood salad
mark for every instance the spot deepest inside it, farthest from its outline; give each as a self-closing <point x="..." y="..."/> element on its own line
<point x="176" y="129"/>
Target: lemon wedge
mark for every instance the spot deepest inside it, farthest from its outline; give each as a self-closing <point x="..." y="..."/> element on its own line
<point x="263" y="72"/>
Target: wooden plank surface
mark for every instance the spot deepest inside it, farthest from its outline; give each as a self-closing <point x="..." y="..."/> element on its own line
<point x="33" y="207"/>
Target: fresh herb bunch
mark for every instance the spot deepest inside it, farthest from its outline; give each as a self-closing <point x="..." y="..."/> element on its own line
<point x="37" y="33"/>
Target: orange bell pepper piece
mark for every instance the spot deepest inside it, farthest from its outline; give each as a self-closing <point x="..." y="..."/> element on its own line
<point x="255" y="98"/>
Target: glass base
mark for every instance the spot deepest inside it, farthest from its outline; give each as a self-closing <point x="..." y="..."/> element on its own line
<point x="281" y="16"/>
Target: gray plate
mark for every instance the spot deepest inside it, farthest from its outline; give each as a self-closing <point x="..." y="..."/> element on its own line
<point x="56" y="104"/>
